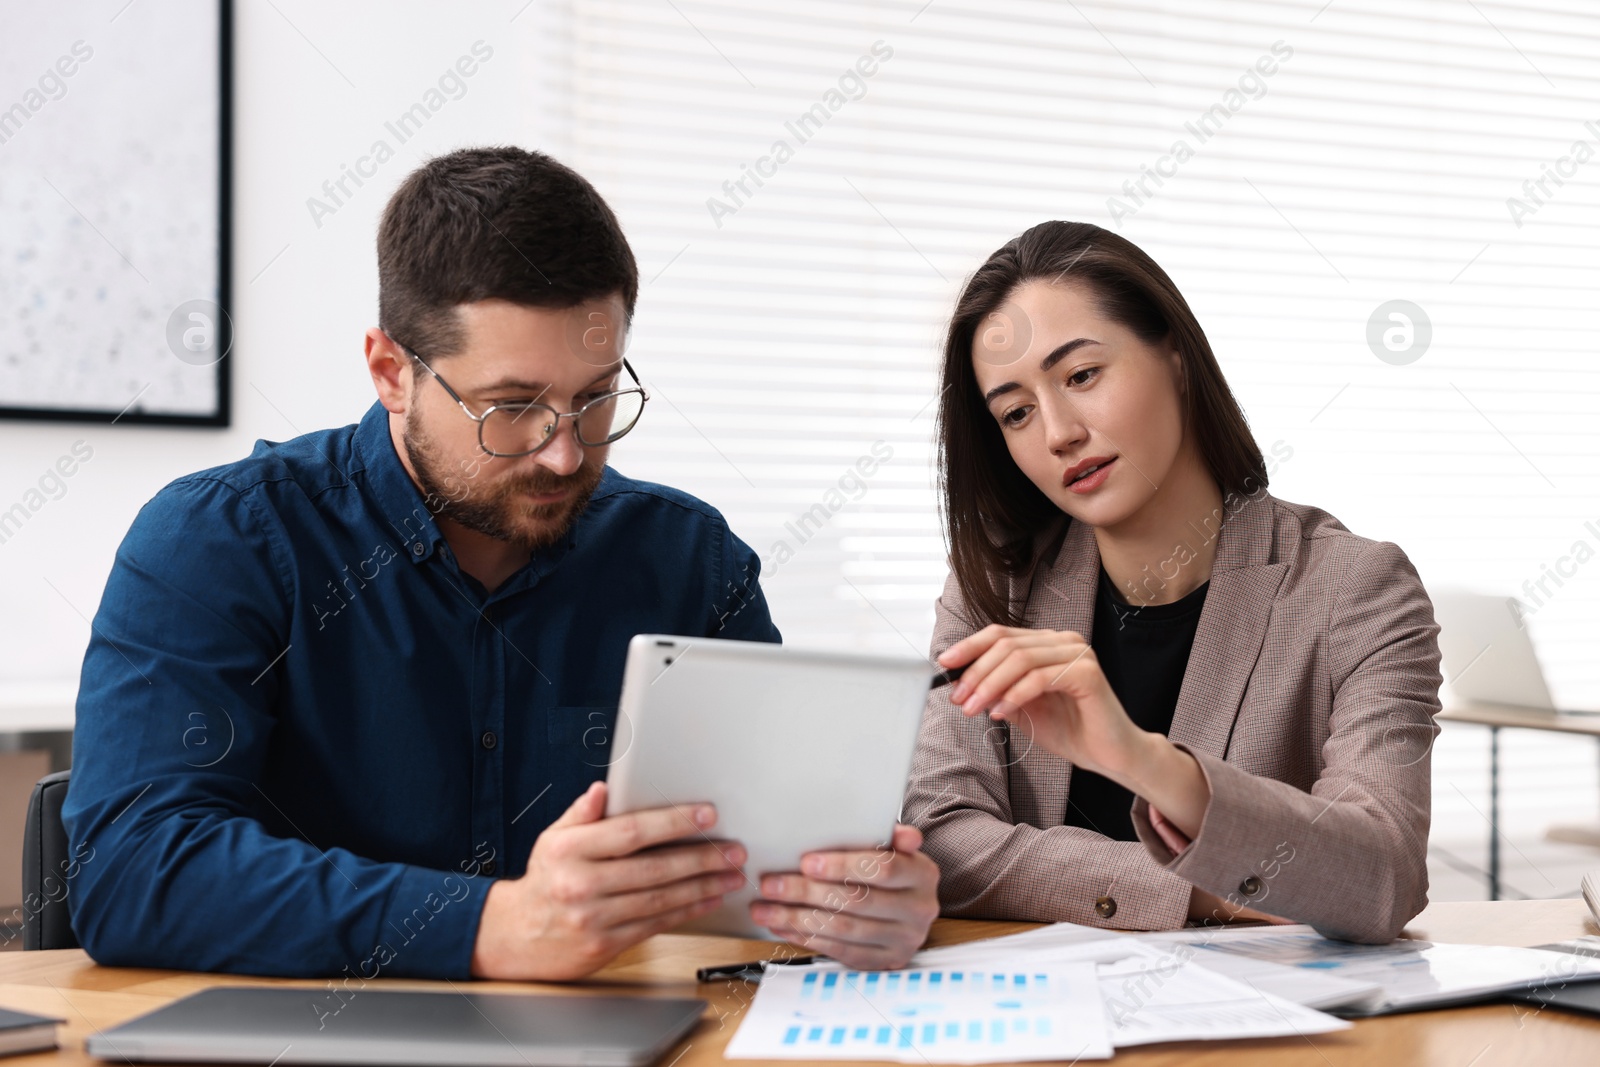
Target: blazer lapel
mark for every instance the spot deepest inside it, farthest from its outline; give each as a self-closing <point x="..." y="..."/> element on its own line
<point x="1233" y="625"/>
<point x="1232" y="628"/>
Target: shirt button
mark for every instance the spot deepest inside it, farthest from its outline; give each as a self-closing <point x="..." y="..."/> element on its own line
<point x="1250" y="886"/>
<point x="1105" y="907"/>
<point x="487" y="867"/>
<point x="489" y="740"/>
<point x="418" y="549"/>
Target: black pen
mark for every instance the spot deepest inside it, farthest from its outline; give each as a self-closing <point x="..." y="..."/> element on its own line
<point x="945" y="677"/>
<point x="747" y="971"/>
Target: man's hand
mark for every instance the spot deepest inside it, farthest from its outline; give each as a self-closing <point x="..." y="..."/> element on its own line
<point x="587" y="895"/>
<point x="865" y="909"/>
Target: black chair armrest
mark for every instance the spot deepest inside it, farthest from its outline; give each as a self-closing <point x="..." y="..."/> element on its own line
<point x="47" y="868"/>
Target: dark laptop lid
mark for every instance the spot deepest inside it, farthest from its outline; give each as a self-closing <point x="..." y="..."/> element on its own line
<point x="365" y="1026"/>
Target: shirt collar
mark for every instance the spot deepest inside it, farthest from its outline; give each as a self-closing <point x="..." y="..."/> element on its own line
<point x="391" y="486"/>
<point x="406" y="512"/>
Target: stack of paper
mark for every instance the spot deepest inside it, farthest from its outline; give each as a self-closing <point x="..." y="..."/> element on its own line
<point x="1075" y="992"/>
<point x="1408" y="975"/>
<point x="1067" y="996"/>
<point x="1154" y="992"/>
<point x="1311" y="987"/>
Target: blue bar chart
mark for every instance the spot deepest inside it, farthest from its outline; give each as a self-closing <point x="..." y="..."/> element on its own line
<point x="929" y="1015"/>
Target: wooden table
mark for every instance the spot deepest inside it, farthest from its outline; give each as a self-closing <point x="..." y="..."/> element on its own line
<point x="1499" y="717"/>
<point x="68" y="985"/>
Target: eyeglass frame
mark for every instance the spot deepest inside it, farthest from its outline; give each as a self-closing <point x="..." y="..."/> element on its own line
<point x="555" y="431"/>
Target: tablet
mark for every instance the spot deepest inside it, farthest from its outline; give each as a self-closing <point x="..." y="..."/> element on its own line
<point x="798" y="749"/>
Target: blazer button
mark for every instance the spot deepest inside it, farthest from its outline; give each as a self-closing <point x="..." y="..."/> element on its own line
<point x="487" y="867"/>
<point x="1105" y="907"/>
<point x="1250" y="886"/>
<point x="489" y="740"/>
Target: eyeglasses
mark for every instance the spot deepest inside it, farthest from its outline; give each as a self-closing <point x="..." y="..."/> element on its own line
<point x="524" y="428"/>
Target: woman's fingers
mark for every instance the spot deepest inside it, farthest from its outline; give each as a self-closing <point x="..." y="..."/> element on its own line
<point x="1009" y="661"/>
<point x="1044" y="678"/>
<point x="965" y="649"/>
<point x="993" y="655"/>
<point x="988" y="679"/>
<point x="971" y="648"/>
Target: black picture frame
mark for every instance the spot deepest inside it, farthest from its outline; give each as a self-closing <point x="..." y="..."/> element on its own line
<point x="222" y="414"/>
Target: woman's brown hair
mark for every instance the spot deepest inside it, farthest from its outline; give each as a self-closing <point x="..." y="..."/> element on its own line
<point x="992" y="512"/>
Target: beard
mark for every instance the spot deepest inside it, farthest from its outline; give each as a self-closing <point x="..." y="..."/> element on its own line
<point x="501" y="510"/>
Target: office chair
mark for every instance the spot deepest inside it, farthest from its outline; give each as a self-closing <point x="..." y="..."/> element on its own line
<point x="46" y="889"/>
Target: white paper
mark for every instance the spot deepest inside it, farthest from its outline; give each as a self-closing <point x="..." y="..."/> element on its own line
<point x="1165" y="998"/>
<point x="926" y="1015"/>
<point x="1156" y="992"/>
<point x="1411" y="974"/>
<point x="1312" y="987"/>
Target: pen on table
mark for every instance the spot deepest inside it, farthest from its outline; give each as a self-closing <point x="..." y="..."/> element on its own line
<point x="747" y="971"/>
<point x="945" y="677"/>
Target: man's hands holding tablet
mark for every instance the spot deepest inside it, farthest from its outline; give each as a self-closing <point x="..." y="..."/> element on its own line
<point x="867" y="909"/>
<point x="596" y="886"/>
<point x="591" y="890"/>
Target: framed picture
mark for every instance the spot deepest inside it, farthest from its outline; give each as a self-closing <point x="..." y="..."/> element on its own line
<point x="115" y="144"/>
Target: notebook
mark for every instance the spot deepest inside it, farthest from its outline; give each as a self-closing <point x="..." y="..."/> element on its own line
<point x="22" y="1032"/>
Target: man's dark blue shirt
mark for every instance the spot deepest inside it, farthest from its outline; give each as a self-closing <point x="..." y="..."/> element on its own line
<point x="307" y="741"/>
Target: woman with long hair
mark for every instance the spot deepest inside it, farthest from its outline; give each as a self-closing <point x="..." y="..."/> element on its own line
<point x="1183" y="698"/>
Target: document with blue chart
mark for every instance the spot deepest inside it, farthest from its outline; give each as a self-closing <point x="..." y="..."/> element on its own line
<point x="926" y="1015"/>
<point x="1150" y="993"/>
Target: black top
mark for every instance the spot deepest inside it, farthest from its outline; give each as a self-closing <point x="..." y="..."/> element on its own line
<point x="1143" y="653"/>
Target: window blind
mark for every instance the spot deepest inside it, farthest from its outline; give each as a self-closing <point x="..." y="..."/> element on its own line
<point x="807" y="186"/>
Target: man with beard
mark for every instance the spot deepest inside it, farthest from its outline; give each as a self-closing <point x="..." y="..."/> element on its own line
<point x="348" y="703"/>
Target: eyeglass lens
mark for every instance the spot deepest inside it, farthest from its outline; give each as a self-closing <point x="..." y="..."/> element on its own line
<point x="524" y="428"/>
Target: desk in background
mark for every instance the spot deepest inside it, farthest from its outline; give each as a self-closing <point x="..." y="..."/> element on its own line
<point x="1499" y="717"/>
<point x="68" y="985"/>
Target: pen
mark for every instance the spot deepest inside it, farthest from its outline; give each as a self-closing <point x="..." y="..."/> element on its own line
<point x="945" y="677"/>
<point x="753" y="969"/>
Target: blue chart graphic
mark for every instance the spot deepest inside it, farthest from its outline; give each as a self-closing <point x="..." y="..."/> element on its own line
<point x="926" y="1009"/>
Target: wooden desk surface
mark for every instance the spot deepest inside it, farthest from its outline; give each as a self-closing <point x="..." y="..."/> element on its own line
<point x="68" y="985"/>
<point x="1565" y="722"/>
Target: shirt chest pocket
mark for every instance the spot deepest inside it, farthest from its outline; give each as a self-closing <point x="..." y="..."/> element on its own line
<point x="584" y="728"/>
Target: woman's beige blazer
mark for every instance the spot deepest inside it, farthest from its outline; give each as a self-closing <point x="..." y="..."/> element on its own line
<point x="1308" y="701"/>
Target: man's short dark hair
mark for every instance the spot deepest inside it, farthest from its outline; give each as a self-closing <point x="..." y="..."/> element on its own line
<point x="494" y="223"/>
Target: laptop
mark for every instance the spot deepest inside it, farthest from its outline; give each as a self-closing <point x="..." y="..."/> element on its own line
<point x="362" y="1026"/>
<point x="1560" y="990"/>
<point x="1488" y="658"/>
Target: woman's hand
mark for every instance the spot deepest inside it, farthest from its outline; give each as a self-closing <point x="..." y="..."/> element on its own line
<point x="1049" y="685"/>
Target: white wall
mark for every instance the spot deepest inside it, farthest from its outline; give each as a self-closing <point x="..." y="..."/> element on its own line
<point x="1436" y="457"/>
<point x="303" y="294"/>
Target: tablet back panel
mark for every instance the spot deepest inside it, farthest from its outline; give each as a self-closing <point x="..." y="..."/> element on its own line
<point x="798" y="749"/>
